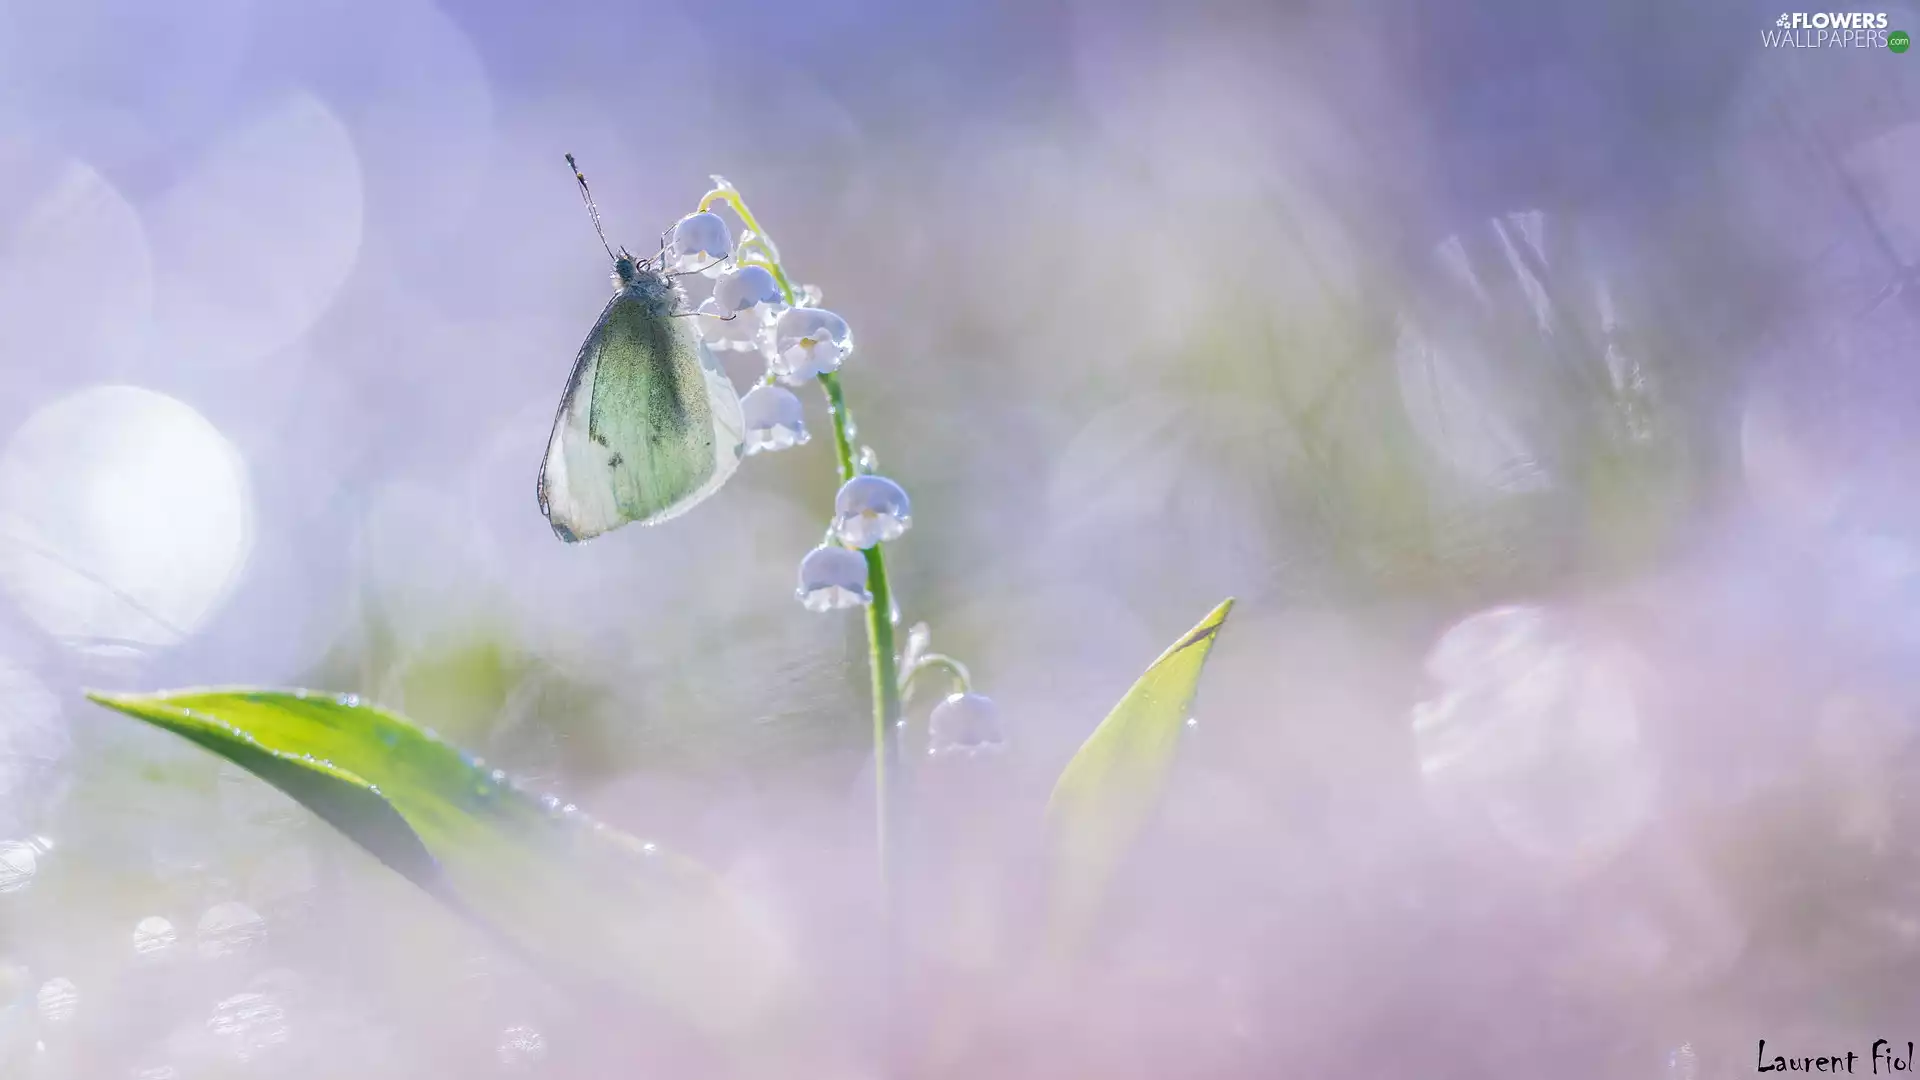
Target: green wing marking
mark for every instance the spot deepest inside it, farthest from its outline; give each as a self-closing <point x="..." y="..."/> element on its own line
<point x="649" y="410"/>
<point x="647" y="429"/>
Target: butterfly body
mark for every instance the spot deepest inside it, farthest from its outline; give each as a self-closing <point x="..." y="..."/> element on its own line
<point x="649" y="425"/>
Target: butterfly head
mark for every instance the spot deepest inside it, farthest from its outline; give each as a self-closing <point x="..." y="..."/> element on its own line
<point x="627" y="270"/>
<point x="646" y="281"/>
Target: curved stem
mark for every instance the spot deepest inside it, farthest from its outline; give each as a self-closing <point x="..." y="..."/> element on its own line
<point x="955" y="670"/>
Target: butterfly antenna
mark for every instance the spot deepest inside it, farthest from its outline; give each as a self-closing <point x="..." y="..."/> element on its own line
<point x="592" y="210"/>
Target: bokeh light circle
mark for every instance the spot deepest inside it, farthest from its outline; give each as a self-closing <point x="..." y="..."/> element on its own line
<point x="125" y="518"/>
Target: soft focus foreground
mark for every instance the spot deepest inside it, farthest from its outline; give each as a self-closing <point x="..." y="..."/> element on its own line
<point x="1540" y="377"/>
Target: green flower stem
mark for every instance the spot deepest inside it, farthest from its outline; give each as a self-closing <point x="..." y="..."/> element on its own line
<point x="882" y="660"/>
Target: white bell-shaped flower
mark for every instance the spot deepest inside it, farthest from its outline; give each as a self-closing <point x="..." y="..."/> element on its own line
<point x="833" y="577"/>
<point x="749" y="291"/>
<point x="735" y="331"/>
<point x="870" y="510"/>
<point x="699" y="242"/>
<point x="809" y="342"/>
<point x="775" y="420"/>
<point x="965" y="724"/>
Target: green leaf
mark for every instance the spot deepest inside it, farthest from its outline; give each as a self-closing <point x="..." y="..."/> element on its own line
<point x="590" y="906"/>
<point x="1109" y="791"/>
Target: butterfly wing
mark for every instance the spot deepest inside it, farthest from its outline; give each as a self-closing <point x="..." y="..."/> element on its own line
<point x="648" y="427"/>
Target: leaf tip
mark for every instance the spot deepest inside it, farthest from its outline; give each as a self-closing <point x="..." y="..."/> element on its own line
<point x="1206" y="629"/>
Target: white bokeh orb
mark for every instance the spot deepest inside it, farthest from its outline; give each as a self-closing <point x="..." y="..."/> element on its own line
<point x="125" y="518"/>
<point x="253" y="245"/>
<point x="1537" y="732"/>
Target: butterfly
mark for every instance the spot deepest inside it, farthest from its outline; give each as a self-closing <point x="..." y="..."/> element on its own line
<point x="649" y="425"/>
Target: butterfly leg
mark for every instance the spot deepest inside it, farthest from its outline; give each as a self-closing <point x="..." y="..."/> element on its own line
<point x="702" y="270"/>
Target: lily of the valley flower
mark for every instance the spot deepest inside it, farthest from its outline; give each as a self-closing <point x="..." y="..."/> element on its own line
<point x="700" y="242"/>
<point x="723" y="330"/>
<point x="809" y="342"/>
<point x="870" y="510"/>
<point x="749" y="291"/>
<point x="833" y="577"/>
<point x="965" y="724"/>
<point x="775" y="420"/>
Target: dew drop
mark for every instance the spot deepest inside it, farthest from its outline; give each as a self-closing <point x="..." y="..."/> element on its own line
<point x="869" y="461"/>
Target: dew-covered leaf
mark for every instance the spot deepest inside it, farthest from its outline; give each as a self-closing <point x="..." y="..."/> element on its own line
<point x="1109" y="791"/>
<point x="589" y="905"/>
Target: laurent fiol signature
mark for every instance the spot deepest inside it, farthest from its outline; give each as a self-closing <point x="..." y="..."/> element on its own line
<point x="1883" y="1057"/>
